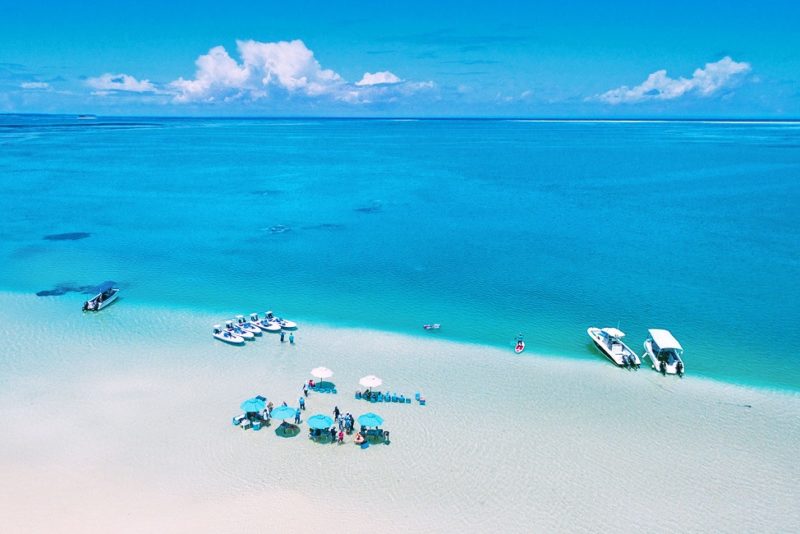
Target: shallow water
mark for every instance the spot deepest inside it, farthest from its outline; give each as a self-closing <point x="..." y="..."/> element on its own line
<point x="488" y="227"/>
<point x="121" y="421"/>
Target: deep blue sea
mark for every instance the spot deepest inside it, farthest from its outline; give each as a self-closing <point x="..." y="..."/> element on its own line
<point x="489" y="227"/>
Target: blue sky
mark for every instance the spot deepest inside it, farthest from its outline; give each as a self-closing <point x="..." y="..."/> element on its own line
<point x="259" y="57"/>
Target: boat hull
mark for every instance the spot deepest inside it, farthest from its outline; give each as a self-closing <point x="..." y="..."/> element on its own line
<point x="613" y="357"/>
<point x="232" y="340"/>
<point x="669" y="368"/>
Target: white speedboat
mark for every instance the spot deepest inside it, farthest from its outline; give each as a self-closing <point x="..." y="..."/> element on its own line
<point x="664" y="352"/>
<point x="235" y="330"/>
<point x="609" y="341"/>
<point x="108" y="294"/>
<point x="226" y="336"/>
<point x="266" y="325"/>
<point x="247" y="326"/>
<point x="286" y="325"/>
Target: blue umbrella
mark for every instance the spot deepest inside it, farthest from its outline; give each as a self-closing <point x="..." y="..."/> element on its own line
<point x="254" y="405"/>
<point x="283" y="412"/>
<point x="319" y="421"/>
<point x="370" y="419"/>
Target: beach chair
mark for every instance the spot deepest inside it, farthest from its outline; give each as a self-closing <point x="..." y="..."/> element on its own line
<point x="422" y="401"/>
<point x="408" y="400"/>
<point x="416" y="396"/>
<point x="246" y="424"/>
<point x="358" y="395"/>
<point x="394" y="397"/>
<point x="238" y="419"/>
<point x="259" y="397"/>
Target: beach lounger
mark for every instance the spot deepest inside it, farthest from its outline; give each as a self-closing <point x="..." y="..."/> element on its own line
<point x="238" y="419"/>
<point x="246" y="424"/>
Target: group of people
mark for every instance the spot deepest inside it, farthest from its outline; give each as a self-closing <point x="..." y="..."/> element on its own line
<point x="283" y="337"/>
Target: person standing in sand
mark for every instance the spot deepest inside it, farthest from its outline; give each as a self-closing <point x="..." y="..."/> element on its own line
<point x="336" y="412"/>
<point x="282" y="336"/>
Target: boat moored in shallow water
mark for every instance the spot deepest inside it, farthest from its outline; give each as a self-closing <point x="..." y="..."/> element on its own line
<point x="609" y="341"/>
<point x="226" y="336"/>
<point x="247" y="326"/>
<point x="235" y="330"/>
<point x="108" y="294"/>
<point x="664" y="351"/>
<point x="286" y="325"/>
<point x="265" y="324"/>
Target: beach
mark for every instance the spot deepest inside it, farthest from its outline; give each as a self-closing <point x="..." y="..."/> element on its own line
<point x="121" y="421"/>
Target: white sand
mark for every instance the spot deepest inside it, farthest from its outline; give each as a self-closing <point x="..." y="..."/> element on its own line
<point x="120" y="422"/>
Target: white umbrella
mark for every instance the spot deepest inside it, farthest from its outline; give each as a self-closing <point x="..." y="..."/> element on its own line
<point x="321" y="372"/>
<point x="370" y="381"/>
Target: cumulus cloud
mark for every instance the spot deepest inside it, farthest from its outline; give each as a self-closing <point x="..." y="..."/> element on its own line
<point x="34" y="85"/>
<point x="110" y="83"/>
<point x="659" y="86"/>
<point x="378" y="78"/>
<point x="286" y="68"/>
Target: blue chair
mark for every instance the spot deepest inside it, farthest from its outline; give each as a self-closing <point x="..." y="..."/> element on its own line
<point x="380" y="397"/>
<point x="416" y="395"/>
<point x="402" y="399"/>
<point x="422" y="402"/>
<point x="394" y="397"/>
<point x="408" y="400"/>
<point x="358" y="394"/>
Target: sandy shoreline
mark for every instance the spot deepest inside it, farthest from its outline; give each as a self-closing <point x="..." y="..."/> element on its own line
<point x="120" y="422"/>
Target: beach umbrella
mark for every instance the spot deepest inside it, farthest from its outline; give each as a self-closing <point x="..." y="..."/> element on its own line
<point x="370" y="419"/>
<point x="319" y="421"/>
<point x="254" y="405"/>
<point x="283" y="412"/>
<point x="370" y="381"/>
<point x="321" y="372"/>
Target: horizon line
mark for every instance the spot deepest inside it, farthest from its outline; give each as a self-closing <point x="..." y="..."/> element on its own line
<point x="413" y="118"/>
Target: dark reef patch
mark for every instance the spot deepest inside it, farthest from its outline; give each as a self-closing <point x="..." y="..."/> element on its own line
<point x="68" y="236"/>
<point x="63" y="289"/>
<point x="324" y="226"/>
<point x="375" y="207"/>
<point x="279" y="229"/>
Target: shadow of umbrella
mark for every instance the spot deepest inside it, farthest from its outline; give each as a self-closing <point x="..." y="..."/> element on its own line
<point x="285" y="430"/>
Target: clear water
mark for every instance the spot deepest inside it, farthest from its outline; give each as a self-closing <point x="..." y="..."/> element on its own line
<point x="488" y="227"/>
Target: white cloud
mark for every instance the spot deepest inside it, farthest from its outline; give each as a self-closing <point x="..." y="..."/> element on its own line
<point x="378" y="78"/>
<point x="659" y="86"/>
<point x="34" y="85"/>
<point x="107" y="83"/>
<point x="287" y="68"/>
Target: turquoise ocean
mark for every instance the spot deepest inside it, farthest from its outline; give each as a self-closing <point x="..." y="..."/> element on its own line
<point x="489" y="227"/>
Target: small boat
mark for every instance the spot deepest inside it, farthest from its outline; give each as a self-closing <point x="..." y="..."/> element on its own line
<point x="520" y="345"/>
<point x="108" y="294"/>
<point x="247" y="326"/>
<point x="226" y="336"/>
<point x="664" y="352"/>
<point x="286" y="325"/>
<point x="265" y="324"/>
<point x="235" y="330"/>
<point x="434" y="326"/>
<point x="609" y="341"/>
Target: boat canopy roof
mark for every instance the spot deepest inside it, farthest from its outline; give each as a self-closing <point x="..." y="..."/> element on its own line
<point x="664" y="339"/>
<point x="105" y="286"/>
<point x="614" y="332"/>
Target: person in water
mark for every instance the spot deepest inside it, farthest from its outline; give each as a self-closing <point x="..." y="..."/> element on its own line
<point x="291" y="338"/>
<point x="282" y="336"/>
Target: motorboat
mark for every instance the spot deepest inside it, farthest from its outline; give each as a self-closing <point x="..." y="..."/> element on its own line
<point x="609" y="341"/>
<point x="108" y="294"/>
<point x="226" y="336"/>
<point x="520" y="344"/>
<point x="286" y="325"/>
<point x="247" y="326"/>
<point x="234" y="329"/>
<point x="434" y="326"/>
<point x="265" y="324"/>
<point x="664" y="351"/>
